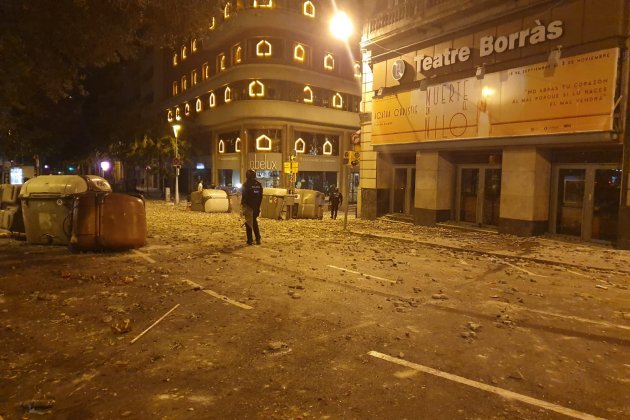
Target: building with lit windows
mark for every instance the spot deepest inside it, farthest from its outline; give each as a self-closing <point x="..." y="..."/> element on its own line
<point x="266" y="82"/>
<point x="510" y="115"/>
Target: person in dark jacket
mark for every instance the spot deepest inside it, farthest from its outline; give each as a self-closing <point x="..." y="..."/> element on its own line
<point x="336" y="199"/>
<point x="250" y="206"/>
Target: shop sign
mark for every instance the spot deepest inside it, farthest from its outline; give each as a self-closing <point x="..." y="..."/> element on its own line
<point x="265" y="161"/>
<point x="576" y="95"/>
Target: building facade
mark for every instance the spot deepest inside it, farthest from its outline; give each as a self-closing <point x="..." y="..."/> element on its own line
<point x="265" y="84"/>
<point x="503" y="114"/>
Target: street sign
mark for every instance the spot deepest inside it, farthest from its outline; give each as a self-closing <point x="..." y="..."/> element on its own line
<point x="177" y="161"/>
<point x="290" y="167"/>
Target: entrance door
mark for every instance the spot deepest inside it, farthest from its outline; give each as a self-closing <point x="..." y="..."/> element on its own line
<point x="404" y="189"/>
<point x="586" y="202"/>
<point x="479" y="194"/>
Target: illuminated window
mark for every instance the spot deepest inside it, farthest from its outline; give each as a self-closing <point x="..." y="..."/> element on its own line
<point x="328" y="148"/>
<point x="199" y="105"/>
<point x="187" y="109"/>
<point x="237" y="54"/>
<point x="205" y="71"/>
<point x="299" y="52"/>
<point x="263" y="3"/>
<point x="227" y="94"/>
<point x="300" y="146"/>
<point x="194" y="78"/>
<point x="175" y="88"/>
<point x="193" y="45"/>
<point x="256" y="89"/>
<point x="227" y="10"/>
<point x="337" y="100"/>
<point x="175" y="59"/>
<point x="178" y="114"/>
<point x="263" y="49"/>
<point x="329" y="62"/>
<point x="212" y="100"/>
<point x="221" y="146"/>
<point x="184" y="83"/>
<point x="184" y="52"/>
<point x="169" y="115"/>
<point x="308" y="95"/>
<point x="221" y="62"/>
<point x="263" y="143"/>
<point x="357" y="70"/>
<point x="213" y="24"/>
<point x="237" y="145"/>
<point x="308" y="8"/>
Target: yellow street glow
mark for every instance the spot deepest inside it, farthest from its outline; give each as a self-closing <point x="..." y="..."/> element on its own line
<point x="341" y="26"/>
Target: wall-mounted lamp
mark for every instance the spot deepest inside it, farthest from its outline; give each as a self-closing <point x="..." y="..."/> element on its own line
<point x="554" y="57"/>
<point x="480" y="73"/>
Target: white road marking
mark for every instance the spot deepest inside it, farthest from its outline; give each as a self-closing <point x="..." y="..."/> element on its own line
<point x="522" y="269"/>
<point x="361" y="274"/>
<point x="488" y="388"/>
<point x="218" y="296"/>
<point x="145" y="256"/>
<point x="579" y="274"/>
<point x="575" y="318"/>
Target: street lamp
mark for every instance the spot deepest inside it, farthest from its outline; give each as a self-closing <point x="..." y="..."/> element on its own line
<point x="176" y="129"/>
<point x="341" y="26"/>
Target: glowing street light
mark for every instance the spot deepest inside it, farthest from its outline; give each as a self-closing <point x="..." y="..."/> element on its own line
<point x="176" y="129"/>
<point x="105" y="165"/>
<point x="341" y="26"/>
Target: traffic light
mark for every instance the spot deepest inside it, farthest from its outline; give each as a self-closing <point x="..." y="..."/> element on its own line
<point x="347" y="157"/>
<point x="351" y="158"/>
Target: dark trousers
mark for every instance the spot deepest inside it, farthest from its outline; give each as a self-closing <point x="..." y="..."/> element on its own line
<point x="248" y="231"/>
<point x="333" y="211"/>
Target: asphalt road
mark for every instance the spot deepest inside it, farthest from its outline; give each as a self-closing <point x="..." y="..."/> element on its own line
<point x="381" y="321"/>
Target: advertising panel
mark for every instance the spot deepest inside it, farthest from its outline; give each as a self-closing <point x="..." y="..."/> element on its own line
<point x="575" y="94"/>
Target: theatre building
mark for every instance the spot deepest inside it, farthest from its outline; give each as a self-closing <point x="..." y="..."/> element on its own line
<point x="505" y="114"/>
<point x="265" y="83"/>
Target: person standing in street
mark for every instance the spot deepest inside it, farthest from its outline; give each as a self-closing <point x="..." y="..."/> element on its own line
<point x="250" y="206"/>
<point x="335" y="199"/>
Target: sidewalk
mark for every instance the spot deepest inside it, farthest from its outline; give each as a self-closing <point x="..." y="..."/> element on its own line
<point x="543" y="249"/>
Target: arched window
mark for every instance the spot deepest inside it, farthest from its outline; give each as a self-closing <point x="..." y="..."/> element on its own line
<point x="299" y="53"/>
<point x="184" y="83"/>
<point x="212" y="100"/>
<point x="199" y="105"/>
<point x="337" y="100"/>
<point x="205" y="71"/>
<point x="237" y="145"/>
<point x="329" y="62"/>
<point x="327" y="147"/>
<point x="221" y="62"/>
<point x="237" y="54"/>
<point x="178" y="114"/>
<point x="187" y="109"/>
<point x="227" y="94"/>
<point x="256" y="89"/>
<point x="213" y="24"/>
<point x="193" y="45"/>
<point x="221" y="146"/>
<point x="308" y="9"/>
<point x="263" y="3"/>
<point x="263" y="49"/>
<point x="184" y="52"/>
<point x="227" y="10"/>
<point x="263" y="143"/>
<point x="357" y="70"/>
<point x="308" y="95"/>
<point x="193" y="78"/>
<point x="169" y="115"/>
<point x="175" y="59"/>
<point x="175" y="88"/>
<point x="300" y="146"/>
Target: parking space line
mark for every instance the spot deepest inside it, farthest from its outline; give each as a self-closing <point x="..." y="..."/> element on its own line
<point x="218" y="296"/>
<point x="361" y="274"/>
<point x="576" y="318"/>
<point x="145" y="256"/>
<point x="488" y="388"/>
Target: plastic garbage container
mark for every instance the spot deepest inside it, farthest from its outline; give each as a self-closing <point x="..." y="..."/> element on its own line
<point x="47" y="205"/>
<point x="196" y="201"/>
<point x="215" y="201"/>
<point x="273" y="203"/>
<point x="311" y="204"/>
<point x="10" y="211"/>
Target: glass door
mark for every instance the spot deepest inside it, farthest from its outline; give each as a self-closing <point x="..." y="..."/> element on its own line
<point x="469" y="187"/>
<point x="606" y="196"/>
<point x="403" y="191"/>
<point x="479" y="195"/>
<point x="570" y="201"/>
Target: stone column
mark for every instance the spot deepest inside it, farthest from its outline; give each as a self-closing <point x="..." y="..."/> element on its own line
<point x="525" y="183"/>
<point x="434" y="188"/>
